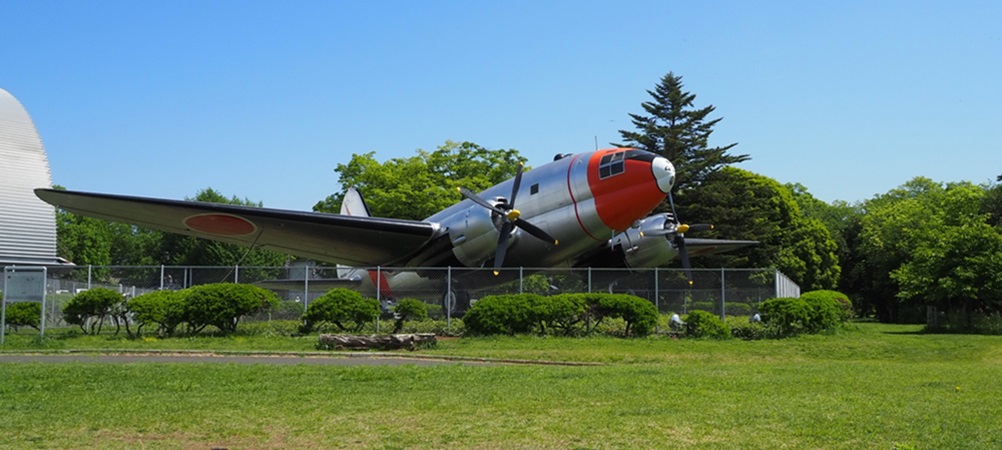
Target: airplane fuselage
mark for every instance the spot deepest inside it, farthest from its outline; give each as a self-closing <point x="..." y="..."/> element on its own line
<point x="582" y="200"/>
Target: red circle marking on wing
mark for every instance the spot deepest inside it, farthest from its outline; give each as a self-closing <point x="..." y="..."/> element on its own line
<point x="220" y="224"/>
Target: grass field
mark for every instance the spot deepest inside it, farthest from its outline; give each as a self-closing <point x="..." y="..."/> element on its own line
<point x="876" y="386"/>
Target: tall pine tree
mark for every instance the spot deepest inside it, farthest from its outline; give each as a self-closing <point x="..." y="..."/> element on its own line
<point x="672" y="127"/>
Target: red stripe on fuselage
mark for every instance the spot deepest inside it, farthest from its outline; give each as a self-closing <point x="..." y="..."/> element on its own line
<point x="379" y="280"/>
<point x="570" y="190"/>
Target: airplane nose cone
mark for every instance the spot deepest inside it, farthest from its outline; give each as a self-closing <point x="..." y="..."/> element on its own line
<point x="664" y="173"/>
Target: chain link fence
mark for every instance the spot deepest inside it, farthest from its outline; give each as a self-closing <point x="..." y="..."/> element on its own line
<point x="448" y="291"/>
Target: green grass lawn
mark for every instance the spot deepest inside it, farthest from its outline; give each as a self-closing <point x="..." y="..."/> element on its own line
<point x="875" y="386"/>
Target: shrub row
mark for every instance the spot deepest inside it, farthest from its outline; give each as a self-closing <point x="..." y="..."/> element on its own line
<point x="565" y="314"/>
<point x="221" y="305"/>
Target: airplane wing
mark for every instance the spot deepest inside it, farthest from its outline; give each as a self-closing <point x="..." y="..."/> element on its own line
<point x="699" y="247"/>
<point x="358" y="241"/>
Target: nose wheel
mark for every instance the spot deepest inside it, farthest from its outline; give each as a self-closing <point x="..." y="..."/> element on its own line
<point x="455" y="302"/>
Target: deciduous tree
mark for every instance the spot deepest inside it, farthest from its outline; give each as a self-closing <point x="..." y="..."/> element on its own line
<point x="419" y="186"/>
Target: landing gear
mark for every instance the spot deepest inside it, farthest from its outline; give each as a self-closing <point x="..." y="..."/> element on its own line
<point x="455" y="302"/>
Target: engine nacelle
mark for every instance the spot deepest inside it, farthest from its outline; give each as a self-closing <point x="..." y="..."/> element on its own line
<point x="474" y="235"/>
<point x="642" y="249"/>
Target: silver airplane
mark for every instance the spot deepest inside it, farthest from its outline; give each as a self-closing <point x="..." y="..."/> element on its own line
<point x="581" y="210"/>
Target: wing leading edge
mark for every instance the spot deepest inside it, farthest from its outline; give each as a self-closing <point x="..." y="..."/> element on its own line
<point x="698" y="247"/>
<point x="358" y="241"/>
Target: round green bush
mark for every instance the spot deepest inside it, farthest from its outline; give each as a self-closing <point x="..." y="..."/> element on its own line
<point x="559" y="313"/>
<point x="164" y="308"/>
<point x="785" y="316"/>
<point x="408" y="309"/>
<point x="842" y="301"/>
<point x="223" y="304"/>
<point x="91" y="306"/>
<point x="340" y="307"/>
<point x="24" y="314"/>
<point x="702" y="324"/>
<point x="500" y="314"/>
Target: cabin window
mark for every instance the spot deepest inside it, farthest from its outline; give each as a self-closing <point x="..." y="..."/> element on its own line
<point x="534" y="189"/>
<point x="611" y="165"/>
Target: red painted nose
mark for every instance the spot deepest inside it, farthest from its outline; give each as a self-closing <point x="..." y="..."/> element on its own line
<point x="628" y="184"/>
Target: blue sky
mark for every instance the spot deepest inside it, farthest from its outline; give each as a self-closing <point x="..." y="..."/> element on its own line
<point x="263" y="99"/>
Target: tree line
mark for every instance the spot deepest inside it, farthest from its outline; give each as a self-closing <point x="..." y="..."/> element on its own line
<point x="922" y="244"/>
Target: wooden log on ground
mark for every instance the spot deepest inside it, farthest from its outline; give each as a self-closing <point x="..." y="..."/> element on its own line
<point x="377" y="341"/>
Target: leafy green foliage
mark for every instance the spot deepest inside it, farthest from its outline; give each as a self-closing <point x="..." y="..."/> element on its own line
<point x="842" y="301"/>
<point x="561" y="313"/>
<point x="408" y="309"/>
<point x="702" y="324"/>
<point x="938" y="246"/>
<point x="340" y="307"/>
<point x="785" y="316"/>
<point x="745" y="205"/>
<point x="742" y="328"/>
<point x="640" y="315"/>
<point x="501" y="314"/>
<point x="24" y="314"/>
<point x="223" y="305"/>
<point x="419" y="186"/>
<point x="565" y="314"/>
<point x="91" y="307"/>
<point x="164" y="308"/>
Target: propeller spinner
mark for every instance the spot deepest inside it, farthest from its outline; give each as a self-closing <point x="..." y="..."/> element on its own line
<point x="512" y="218"/>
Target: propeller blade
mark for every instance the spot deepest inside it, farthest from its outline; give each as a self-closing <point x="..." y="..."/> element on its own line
<point x="502" y="247"/>
<point x="476" y="199"/>
<point x="535" y="231"/>
<point x="515" y="185"/>
<point x="700" y="227"/>
<point x="684" y="256"/>
<point x="671" y="202"/>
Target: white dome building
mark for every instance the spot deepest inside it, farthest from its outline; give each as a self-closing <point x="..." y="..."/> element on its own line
<point x="27" y="224"/>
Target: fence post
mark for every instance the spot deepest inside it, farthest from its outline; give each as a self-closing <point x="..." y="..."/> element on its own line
<point x="236" y="274"/>
<point x="657" y="293"/>
<point x="89" y="267"/>
<point x="161" y="277"/>
<point x="723" y="296"/>
<point x="379" y="294"/>
<point x="589" y="279"/>
<point x="306" y="286"/>
<point x="520" y="279"/>
<point x="448" y="297"/>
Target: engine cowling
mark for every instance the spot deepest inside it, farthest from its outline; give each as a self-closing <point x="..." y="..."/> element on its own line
<point x="641" y="248"/>
<point x="474" y="235"/>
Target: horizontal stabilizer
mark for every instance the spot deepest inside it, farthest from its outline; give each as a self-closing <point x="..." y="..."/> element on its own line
<point x="318" y="284"/>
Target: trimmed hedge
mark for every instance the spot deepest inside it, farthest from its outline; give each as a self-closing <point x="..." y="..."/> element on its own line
<point x="164" y="308"/>
<point x="702" y="324"/>
<point x="223" y="305"/>
<point x="24" y="314"/>
<point x="91" y="307"/>
<point x="565" y="314"/>
<point x="341" y="308"/>
<point x="408" y="309"/>
<point x="842" y="301"/>
<point x="813" y="312"/>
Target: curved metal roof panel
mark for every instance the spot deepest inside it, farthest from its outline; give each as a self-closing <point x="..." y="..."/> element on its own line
<point x="27" y="224"/>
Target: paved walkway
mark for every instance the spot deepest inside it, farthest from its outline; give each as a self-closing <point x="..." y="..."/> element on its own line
<point x="354" y="360"/>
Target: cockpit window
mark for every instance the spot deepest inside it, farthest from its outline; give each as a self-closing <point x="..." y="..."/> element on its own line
<point x="611" y="165"/>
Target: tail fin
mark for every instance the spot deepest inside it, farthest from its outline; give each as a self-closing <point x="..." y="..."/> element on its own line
<point x="353" y="205"/>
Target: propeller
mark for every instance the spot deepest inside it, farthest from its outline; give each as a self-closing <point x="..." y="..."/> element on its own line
<point x="512" y="216"/>
<point x="679" y="236"/>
